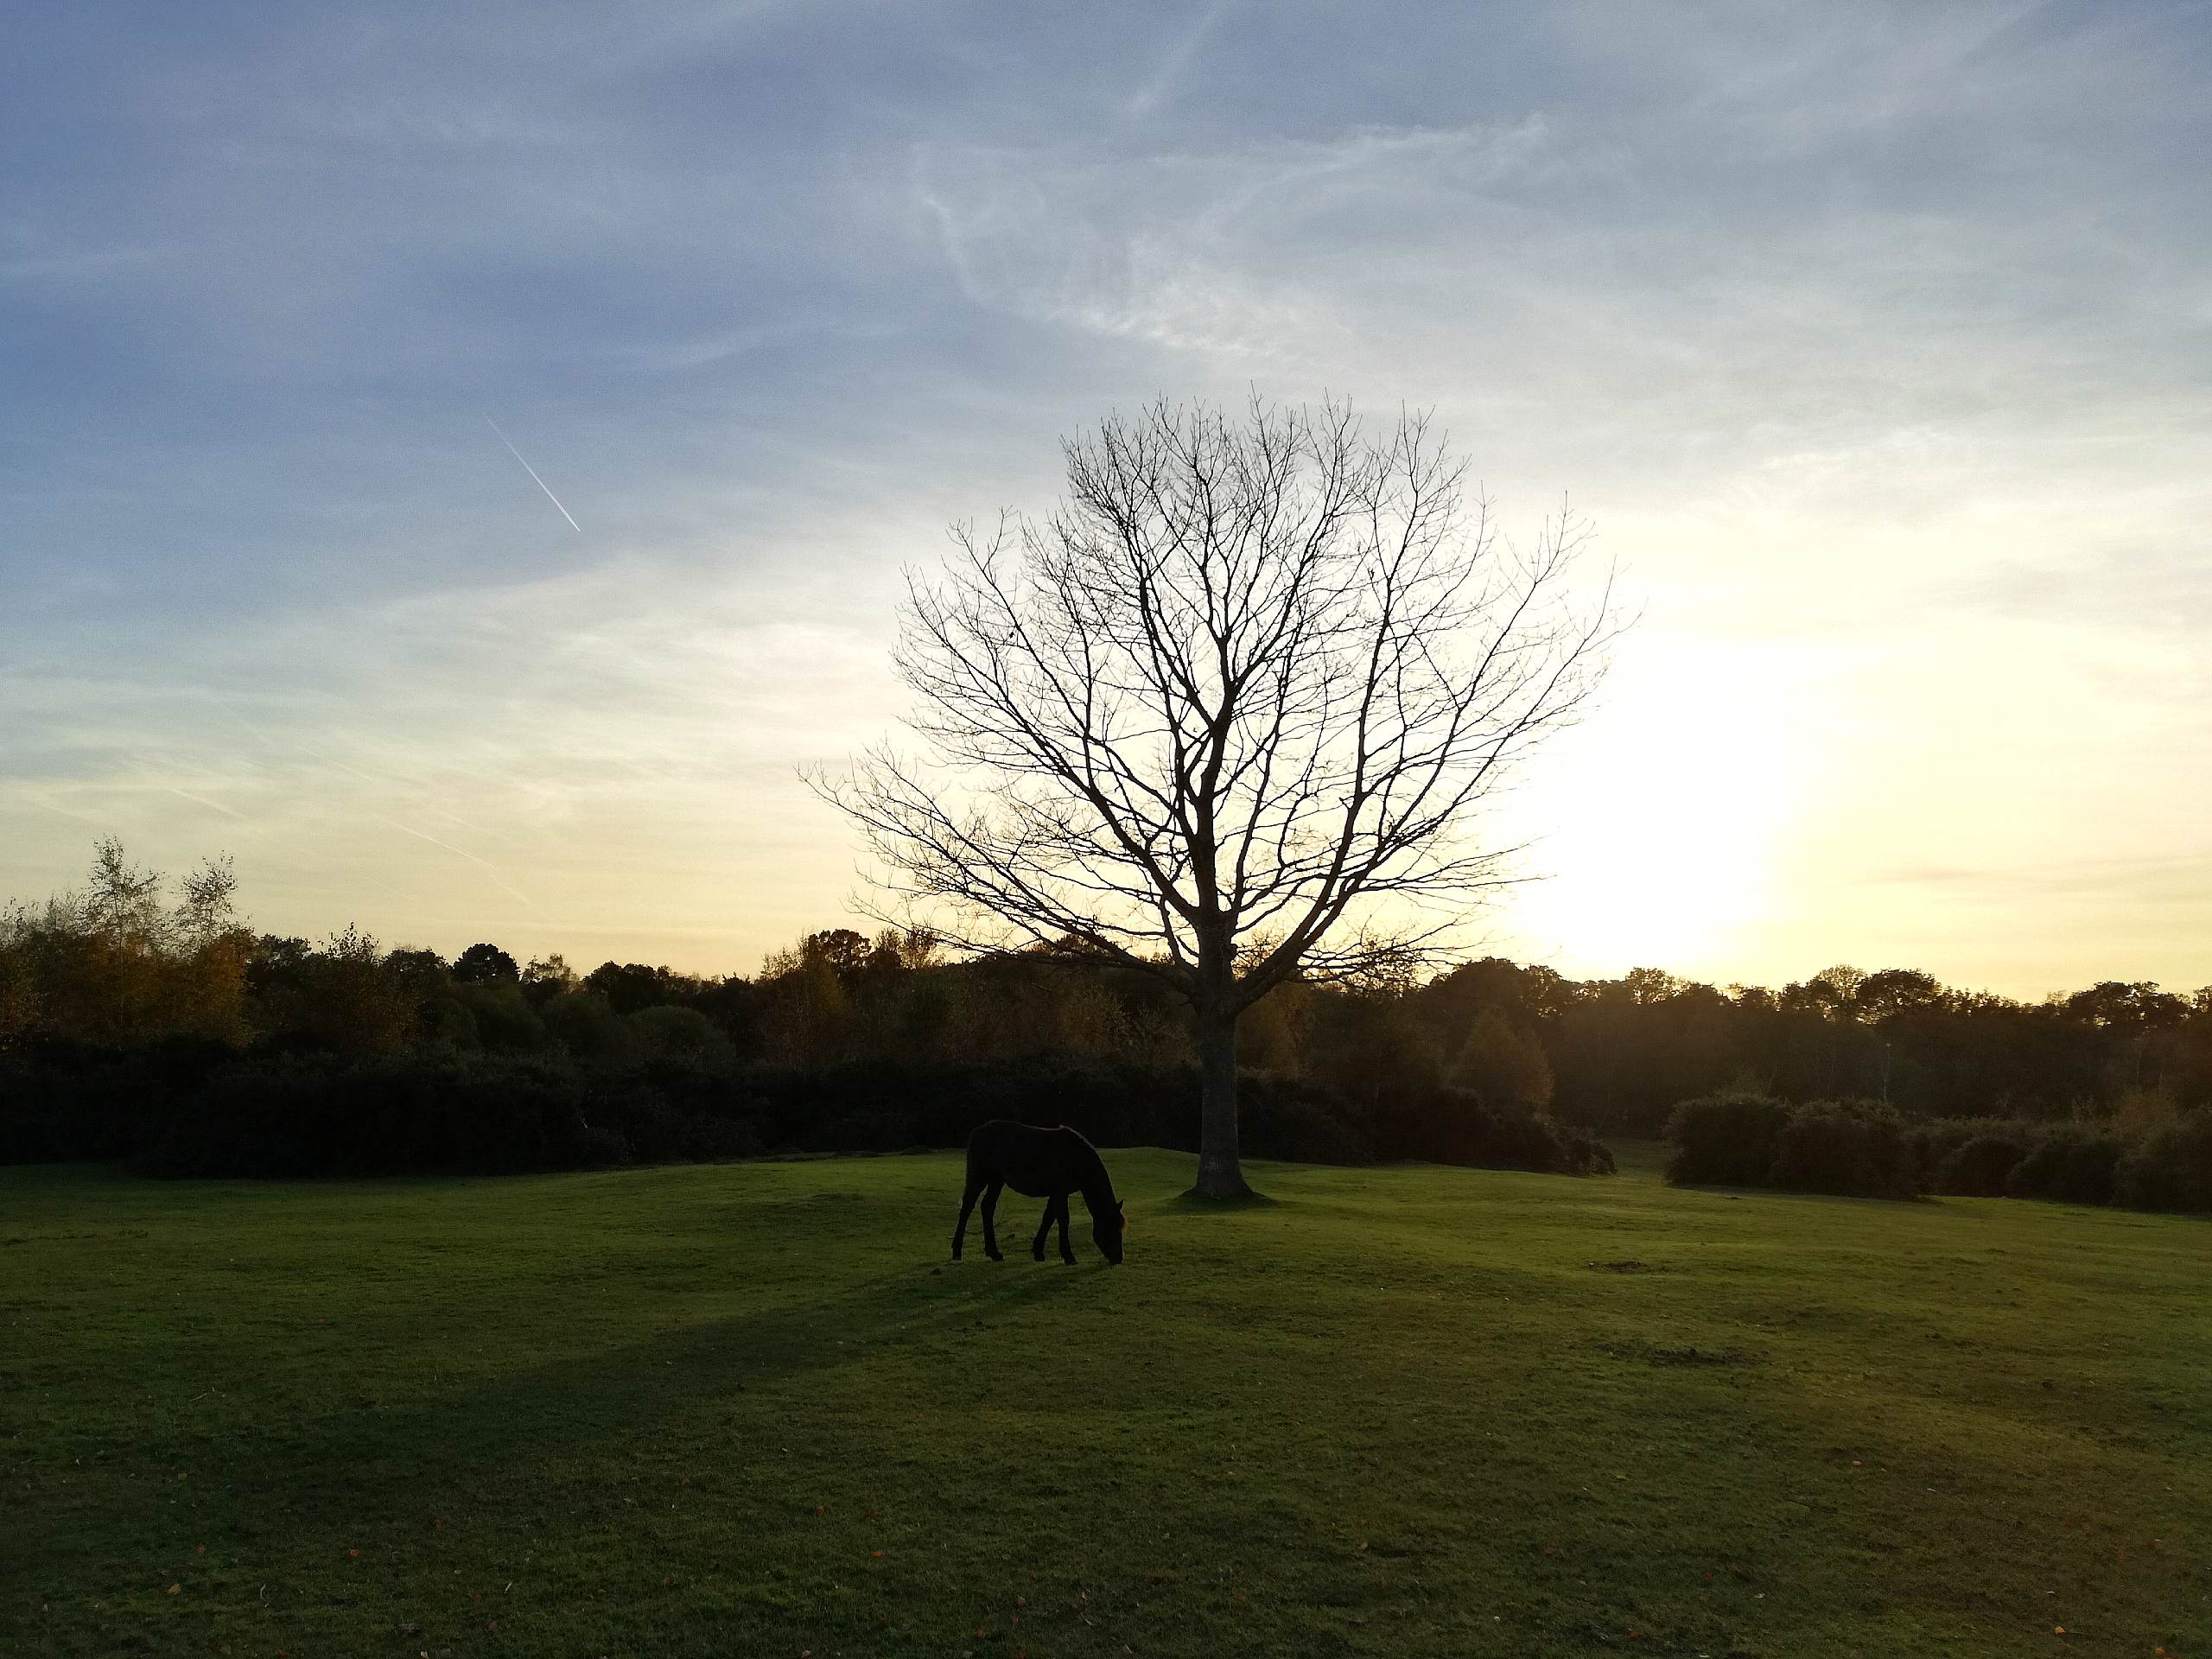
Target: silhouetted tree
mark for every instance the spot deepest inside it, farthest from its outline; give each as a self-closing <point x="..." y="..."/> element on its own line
<point x="1897" y="992"/>
<point x="1502" y="1066"/>
<point x="1248" y="683"/>
<point x="481" y="963"/>
<point x="354" y="999"/>
<point x="546" y="977"/>
<point x="631" y="986"/>
<point x="109" y="963"/>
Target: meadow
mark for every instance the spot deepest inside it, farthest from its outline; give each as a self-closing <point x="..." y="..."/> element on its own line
<point x="752" y="1408"/>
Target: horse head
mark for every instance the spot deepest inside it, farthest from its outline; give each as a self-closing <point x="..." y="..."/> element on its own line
<point x="1107" y="1226"/>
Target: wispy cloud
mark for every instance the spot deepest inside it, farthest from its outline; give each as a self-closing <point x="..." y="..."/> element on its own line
<point x="1175" y="62"/>
<point x="1871" y="337"/>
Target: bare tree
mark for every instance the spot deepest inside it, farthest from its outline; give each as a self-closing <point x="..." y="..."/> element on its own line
<point x="1225" y="715"/>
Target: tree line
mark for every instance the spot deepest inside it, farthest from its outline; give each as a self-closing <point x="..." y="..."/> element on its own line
<point x="139" y="1024"/>
<point x="130" y="965"/>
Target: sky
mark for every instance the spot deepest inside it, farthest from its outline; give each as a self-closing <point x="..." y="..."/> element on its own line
<point x="1876" y="342"/>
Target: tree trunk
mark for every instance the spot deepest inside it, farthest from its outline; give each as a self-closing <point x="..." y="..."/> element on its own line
<point x="1220" y="1174"/>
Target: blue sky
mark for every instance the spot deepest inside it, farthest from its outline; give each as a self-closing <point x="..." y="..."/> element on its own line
<point x="1877" y="341"/>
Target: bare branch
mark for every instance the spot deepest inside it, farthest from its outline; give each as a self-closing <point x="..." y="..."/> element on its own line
<point x="1231" y="710"/>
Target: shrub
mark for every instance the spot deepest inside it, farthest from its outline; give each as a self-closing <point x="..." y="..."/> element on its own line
<point x="66" y="1100"/>
<point x="1590" y="1155"/>
<point x="1938" y="1140"/>
<point x="1725" y="1139"/>
<point x="316" y="1117"/>
<point x="1489" y="1134"/>
<point x="1981" y="1167"/>
<point x="678" y="1034"/>
<point x="503" y="1020"/>
<point x="2071" y="1163"/>
<point x="1855" y="1148"/>
<point x="2170" y="1167"/>
<point x="585" y="1024"/>
<point x="663" y="1094"/>
<point x="660" y="1120"/>
<point x="1299" y="1130"/>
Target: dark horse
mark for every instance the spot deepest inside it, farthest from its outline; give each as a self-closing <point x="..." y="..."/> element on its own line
<point x="1047" y="1163"/>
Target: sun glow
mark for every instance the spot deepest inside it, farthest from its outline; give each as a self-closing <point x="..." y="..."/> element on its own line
<point x="1657" y="825"/>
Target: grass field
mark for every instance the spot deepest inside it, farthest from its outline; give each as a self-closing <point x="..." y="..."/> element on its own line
<point x="751" y="1409"/>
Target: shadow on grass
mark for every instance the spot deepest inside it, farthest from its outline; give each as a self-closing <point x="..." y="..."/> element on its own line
<point x="333" y="1468"/>
<point x="1191" y="1201"/>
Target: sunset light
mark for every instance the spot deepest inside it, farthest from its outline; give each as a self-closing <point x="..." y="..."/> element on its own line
<point x="1190" y="829"/>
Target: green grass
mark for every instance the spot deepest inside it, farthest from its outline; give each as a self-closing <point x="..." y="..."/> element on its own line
<point x="751" y="1409"/>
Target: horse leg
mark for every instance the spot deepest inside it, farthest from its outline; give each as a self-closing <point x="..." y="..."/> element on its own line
<point x="991" y="1213"/>
<point x="967" y="1204"/>
<point x="1066" y="1254"/>
<point x="1043" y="1227"/>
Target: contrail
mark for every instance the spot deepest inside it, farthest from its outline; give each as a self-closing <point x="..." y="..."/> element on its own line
<point x="490" y="870"/>
<point x="186" y="794"/>
<point x="532" y="471"/>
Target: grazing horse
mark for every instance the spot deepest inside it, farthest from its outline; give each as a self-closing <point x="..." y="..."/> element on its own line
<point x="1047" y="1163"/>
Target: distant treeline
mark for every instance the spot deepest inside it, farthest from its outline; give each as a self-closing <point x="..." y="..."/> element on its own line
<point x="118" y="1002"/>
<point x="165" y="1034"/>
<point x="1862" y="1148"/>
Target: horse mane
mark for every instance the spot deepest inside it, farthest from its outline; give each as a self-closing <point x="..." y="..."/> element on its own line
<point x="1097" y="1186"/>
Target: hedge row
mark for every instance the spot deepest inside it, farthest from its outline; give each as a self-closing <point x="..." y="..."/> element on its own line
<point x="186" y="1112"/>
<point x="1866" y="1149"/>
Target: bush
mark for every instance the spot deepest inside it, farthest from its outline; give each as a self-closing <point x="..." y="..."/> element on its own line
<point x="1855" y="1148"/>
<point x="2170" y="1168"/>
<point x="1300" y="1130"/>
<point x="1588" y="1155"/>
<point x="2069" y="1163"/>
<point x="671" y="1113"/>
<point x="1725" y="1139"/>
<point x="317" y="1116"/>
<point x="504" y="1022"/>
<point x="1938" y="1140"/>
<point x="678" y="1034"/>
<point x="1488" y="1134"/>
<point x="585" y="1024"/>
<point x="68" y="1102"/>
<point x="660" y="1086"/>
<point x="1981" y="1167"/>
